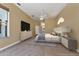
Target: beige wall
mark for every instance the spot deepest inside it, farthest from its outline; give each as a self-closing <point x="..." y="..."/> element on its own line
<point x="50" y="24"/>
<point x="16" y="15"/>
<point x="71" y="16"/>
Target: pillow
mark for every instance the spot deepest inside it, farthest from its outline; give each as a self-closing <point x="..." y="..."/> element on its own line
<point x="53" y="33"/>
<point x="65" y="34"/>
<point x="58" y="34"/>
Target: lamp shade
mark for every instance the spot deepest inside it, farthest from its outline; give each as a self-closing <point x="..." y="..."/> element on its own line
<point x="61" y="20"/>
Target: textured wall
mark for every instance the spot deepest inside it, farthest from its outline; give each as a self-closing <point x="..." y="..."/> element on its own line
<point x="16" y="15"/>
<point x="71" y="16"/>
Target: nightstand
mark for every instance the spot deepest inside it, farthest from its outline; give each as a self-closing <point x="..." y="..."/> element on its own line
<point x="69" y="43"/>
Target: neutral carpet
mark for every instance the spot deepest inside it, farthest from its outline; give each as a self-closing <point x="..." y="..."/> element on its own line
<point x="32" y="48"/>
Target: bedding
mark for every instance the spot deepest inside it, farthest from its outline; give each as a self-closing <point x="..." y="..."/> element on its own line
<point x="48" y="38"/>
<point x="52" y="38"/>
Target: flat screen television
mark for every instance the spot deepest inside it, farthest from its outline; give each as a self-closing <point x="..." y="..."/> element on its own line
<point x="25" y="26"/>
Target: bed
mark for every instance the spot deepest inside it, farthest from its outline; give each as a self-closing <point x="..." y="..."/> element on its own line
<point x="47" y="38"/>
<point x="52" y="38"/>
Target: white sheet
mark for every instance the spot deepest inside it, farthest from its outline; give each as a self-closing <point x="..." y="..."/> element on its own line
<point x="52" y="38"/>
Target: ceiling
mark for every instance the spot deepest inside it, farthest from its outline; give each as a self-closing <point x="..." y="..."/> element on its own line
<point x="36" y="10"/>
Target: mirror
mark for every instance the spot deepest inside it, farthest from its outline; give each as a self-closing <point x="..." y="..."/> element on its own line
<point x="4" y="22"/>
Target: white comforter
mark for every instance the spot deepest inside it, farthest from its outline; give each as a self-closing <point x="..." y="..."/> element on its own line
<point x="51" y="38"/>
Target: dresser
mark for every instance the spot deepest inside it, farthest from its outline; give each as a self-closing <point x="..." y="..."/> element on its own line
<point x="25" y="35"/>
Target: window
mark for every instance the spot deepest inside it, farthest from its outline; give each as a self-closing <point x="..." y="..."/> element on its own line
<point x="4" y="22"/>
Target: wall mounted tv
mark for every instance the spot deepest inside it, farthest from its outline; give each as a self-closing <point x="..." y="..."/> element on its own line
<point x="25" y="26"/>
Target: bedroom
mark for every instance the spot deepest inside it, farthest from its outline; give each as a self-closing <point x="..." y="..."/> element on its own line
<point x="68" y="12"/>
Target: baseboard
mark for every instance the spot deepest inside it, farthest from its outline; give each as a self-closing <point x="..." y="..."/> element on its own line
<point x="9" y="45"/>
<point x="77" y="50"/>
